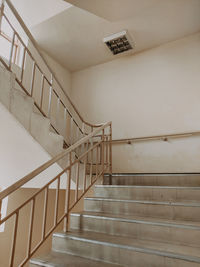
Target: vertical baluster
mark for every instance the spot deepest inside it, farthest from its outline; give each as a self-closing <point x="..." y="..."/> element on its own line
<point x="42" y="91"/>
<point x="106" y="161"/>
<point x="91" y="164"/>
<point x="50" y="97"/>
<point x="11" y="51"/>
<point x="23" y="62"/>
<point x="31" y="226"/>
<point x="13" y="246"/>
<point x="71" y="131"/>
<point x="65" y="124"/>
<point x="45" y="212"/>
<point x="102" y="151"/>
<point x="33" y="78"/>
<point x="77" y="134"/>
<point x="77" y="180"/>
<point x="57" y="201"/>
<point x="110" y="155"/>
<point x="57" y="113"/>
<point x="83" y="128"/>
<point x="15" y="52"/>
<point x="97" y="159"/>
<point x="77" y="138"/>
<point x="67" y="198"/>
<point x="1" y="12"/>
<point x="85" y="168"/>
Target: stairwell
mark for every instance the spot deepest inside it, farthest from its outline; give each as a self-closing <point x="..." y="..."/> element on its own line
<point x="139" y="220"/>
<point x="22" y="107"/>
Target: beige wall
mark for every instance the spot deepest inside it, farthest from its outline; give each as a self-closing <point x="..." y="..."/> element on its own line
<point x="150" y="93"/>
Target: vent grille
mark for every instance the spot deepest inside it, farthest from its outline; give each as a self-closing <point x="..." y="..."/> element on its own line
<point x="119" y="42"/>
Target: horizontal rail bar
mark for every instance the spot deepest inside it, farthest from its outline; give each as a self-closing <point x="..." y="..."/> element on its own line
<point x="157" y="137"/>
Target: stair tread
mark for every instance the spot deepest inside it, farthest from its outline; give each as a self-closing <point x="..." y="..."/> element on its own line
<point x="140" y="219"/>
<point x="152" y="247"/>
<point x="150" y="186"/>
<point x="187" y="203"/>
<point x="58" y="259"/>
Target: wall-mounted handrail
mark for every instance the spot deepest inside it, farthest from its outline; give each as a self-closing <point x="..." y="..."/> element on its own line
<point x="95" y="153"/>
<point x="76" y="129"/>
<point x="163" y="137"/>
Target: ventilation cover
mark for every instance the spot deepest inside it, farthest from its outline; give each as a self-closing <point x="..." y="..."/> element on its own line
<point x="119" y="42"/>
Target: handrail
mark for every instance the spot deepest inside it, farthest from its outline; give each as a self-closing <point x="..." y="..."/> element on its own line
<point x="30" y="36"/>
<point x="44" y="166"/>
<point x="68" y="114"/>
<point x="163" y="137"/>
<point x="91" y="163"/>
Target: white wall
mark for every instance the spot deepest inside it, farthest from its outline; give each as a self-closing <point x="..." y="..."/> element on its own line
<point x="21" y="154"/>
<point x="150" y="93"/>
<point x="62" y="74"/>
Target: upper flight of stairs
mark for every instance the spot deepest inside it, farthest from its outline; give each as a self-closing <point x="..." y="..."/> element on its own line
<point x="138" y="221"/>
<point x="21" y="106"/>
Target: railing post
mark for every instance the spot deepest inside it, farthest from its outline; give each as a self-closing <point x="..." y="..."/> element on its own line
<point x="11" y="51"/>
<point x="83" y="128"/>
<point x="67" y="198"/>
<point x="110" y="155"/>
<point x="1" y="12"/>
<point x="50" y="96"/>
<point x="102" y="152"/>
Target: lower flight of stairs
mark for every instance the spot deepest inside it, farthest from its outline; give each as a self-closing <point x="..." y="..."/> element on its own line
<point x="138" y="221"/>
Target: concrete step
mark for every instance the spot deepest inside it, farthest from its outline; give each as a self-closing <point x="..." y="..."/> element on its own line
<point x="158" y="193"/>
<point x="170" y="231"/>
<point x="40" y="130"/>
<point x="57" y="259"/>
<point x="21" y="106"/>
<point x="169" y="210"/>
<point x="155" y="179"/>
<point x="125" y="250"/>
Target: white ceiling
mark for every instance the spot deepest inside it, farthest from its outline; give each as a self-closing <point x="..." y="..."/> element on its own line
<point x="34" y="12"/>
<point x="114" y="10"/>
<point x="74" y="37"/>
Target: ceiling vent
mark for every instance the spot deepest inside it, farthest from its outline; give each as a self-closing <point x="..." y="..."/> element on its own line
<point x="119" y="42"/>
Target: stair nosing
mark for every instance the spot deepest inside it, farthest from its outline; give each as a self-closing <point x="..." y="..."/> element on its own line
<point x="170" y="203"/>
<point x="149" y="186"/>
<point x="133" y="248"/>
<point x="176" y="225"/>
<point x="152" y="174"/>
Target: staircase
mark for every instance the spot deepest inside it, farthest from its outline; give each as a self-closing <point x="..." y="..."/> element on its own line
<point x="22" y="107"/>
<point x="139" y="220"/>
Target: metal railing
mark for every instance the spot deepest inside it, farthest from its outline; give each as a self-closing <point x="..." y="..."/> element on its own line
<point x="164" y="137"/>
<point x="95" y="159"/>
<point x="36" y="79"/>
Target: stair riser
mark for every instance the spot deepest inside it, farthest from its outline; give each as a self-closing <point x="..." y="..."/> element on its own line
<point x="115" y="254"/>
<point x="157" y="194"/>
<point x="137" y="230"/>
<point x="171" y="180"/>
<point x="159" y="211"/>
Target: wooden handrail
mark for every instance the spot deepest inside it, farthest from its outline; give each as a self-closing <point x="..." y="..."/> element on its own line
<point x="163" y="137"/>
<point x="44" y="166"/>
